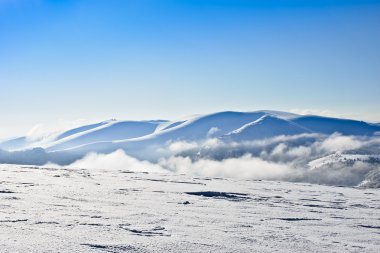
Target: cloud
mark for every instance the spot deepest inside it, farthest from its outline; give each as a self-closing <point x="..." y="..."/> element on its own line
<point x="182" y="146"/>
<point x="243" y="167"/>
<point x="339" y="143"/>
<point x="342" y="160"/>
<point x="303" y="158"/>
<point x="211" y="133"/>
<point x="313" y="158"/>
<point x="247" y="167"/>
<point x="117" y="160"/>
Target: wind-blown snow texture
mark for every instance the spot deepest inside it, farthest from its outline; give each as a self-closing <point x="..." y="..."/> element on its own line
<point x="266" y="145"/>
<point x="118" y="210"/>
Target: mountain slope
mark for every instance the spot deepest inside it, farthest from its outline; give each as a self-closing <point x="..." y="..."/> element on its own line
<point x="195" y="129"/>
<point x="25" y="142"/>
<point x="265" y="127"/>
<point x="16" y="143"/>
<point x="326" y="125"/>
<point x="146" y="139"/>
<point x="81" y="129"/>
<point x="117" y="130"/>
<point x="238" y="126"/>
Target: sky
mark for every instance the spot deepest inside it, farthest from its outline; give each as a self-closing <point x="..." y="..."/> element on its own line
<point x="92" y="60"/>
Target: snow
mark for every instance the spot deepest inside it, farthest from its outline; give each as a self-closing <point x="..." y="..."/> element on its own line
<point x="327" y="125"/>
<point x="75" y="210"/>
<point x="240" y="126"/>
<point x="198" y="128"/>
<point x="303" y="146"/>
<point x="266" y="127"/>
<point x="116" y="130"/>
<point x="341" y="158"/>
<point x="14" y="144"/>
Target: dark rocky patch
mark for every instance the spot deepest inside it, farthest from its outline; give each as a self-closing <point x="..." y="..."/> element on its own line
<point x="14" y="221"/>
<point x="172" y="181"/>
<point x="220" y="195"/>
<point x="298" y="219"/>
<point x="322" y="206"/>
<point x="359" y="206"/>
<point x="92" y="224"/>
<point x="6" y="191"/>
<point x="369" y="226"/>
<point x="112" y="248"/>
<point x="156" y="231"/>
<point x="47" y="222"/>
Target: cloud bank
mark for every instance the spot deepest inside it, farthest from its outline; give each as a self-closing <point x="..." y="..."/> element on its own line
<point x="332" y="160"/>
<point x="117" y="160"/>
<point x="312" y="158"/>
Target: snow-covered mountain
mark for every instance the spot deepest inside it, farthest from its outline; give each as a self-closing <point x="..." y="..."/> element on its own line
<point x="266" y="127"/>
<point x="16" y="143"/>
<point x="112" y="131"/>
<point x="315" y="149"/>
<point x="26" y="142"/>
<point x="229" y="126"/>
<point x="326" y="125"/>
<point x="104" y="131"/>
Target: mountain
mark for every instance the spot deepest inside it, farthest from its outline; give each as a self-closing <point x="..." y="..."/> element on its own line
<point x="25" y="142"/>
<point x="150" y="138"/>
<point x="228" y="126"/>
<point x="326" y="125"/>
<point x="347" y="159"/>
<point x="111" y="131"/>
<point x="266" y="127"/>
<point x="16" y="143"/>
<point x="81" y="129"/>
<point x="207" y="126"/>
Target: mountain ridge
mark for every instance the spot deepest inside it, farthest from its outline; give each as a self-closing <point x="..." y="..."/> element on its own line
<point x="227" y="125"/>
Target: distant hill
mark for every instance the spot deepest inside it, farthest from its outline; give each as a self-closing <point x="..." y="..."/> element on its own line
<point x="148" y="137"/>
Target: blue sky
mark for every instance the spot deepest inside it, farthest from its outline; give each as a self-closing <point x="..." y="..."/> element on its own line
<point x="95" y="60"/>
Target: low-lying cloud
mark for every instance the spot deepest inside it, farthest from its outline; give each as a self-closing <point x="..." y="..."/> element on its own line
<point x="242" y="167"/>
<point x="313" y="158"/>
<point x="331" y="160"/>
<point x="117" y="160"/>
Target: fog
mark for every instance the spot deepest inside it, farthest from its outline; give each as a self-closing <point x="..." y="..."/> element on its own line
<point x="312" y="158"/>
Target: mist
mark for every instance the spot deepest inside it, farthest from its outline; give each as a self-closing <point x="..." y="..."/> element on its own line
<point x="329" y="160"/>
<point x="311" y="158"/>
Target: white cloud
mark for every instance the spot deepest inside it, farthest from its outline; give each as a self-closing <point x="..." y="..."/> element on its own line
<point x="339" y="143"/>
<point x="281" y="158"/>
<point x="117" y="160"/>
<point x="300" y="151"/>
<point x="279" y="149"/>
<point x="182" y="146"/>
<point x="211" y="133"/>
<point x="242" y="167"/>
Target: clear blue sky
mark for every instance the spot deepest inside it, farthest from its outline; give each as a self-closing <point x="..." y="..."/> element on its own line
<point x="138" y="59"/>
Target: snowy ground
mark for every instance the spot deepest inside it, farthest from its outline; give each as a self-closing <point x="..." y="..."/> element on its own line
<point x="72" y="210"/>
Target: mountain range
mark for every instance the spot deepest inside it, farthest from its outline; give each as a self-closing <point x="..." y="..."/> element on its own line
<point x="229" y="126"/>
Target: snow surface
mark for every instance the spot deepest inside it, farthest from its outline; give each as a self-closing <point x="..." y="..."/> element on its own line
<point x="77" y="210"/>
